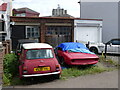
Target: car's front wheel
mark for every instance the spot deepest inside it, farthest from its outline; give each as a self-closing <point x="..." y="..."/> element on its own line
<point x="93" y="49"/>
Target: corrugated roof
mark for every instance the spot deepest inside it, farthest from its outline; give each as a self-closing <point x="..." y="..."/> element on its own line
<point x="3" y="7"/>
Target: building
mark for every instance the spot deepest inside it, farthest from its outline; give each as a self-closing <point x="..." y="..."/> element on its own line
<point x="60" y="12"/>
<point x="4" y="22"/>
<point x="51" y="30"/>
<point x="9" y="5"/>
<point x="108" y="11"/>
<point x="25" y="12"/>
<point x="5" y="13"/>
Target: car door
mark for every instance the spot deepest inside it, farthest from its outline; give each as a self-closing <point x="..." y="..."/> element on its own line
<point x="115" y="46"/>
<point x="110" y="47"/>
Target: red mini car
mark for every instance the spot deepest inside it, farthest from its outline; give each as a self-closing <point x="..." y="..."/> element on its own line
<point x="38" y="59"/>
<point x="73" y="53"/>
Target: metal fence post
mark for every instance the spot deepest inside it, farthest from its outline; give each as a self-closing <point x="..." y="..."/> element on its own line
<point x="105" y="49"/>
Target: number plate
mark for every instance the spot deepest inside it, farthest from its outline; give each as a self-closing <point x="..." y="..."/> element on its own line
<point x="42" y="69"/>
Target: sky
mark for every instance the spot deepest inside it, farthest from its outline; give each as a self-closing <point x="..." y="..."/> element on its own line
<point x="44" y="7"/>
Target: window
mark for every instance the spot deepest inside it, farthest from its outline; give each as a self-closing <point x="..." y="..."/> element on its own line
<point x="0" y="26"/>
<point x="32" y="32"/>
<point x="58" y="30"/>
<point x="39" y="54"/>
<point x="22" y="14"/>
<point x="116" y="42"/>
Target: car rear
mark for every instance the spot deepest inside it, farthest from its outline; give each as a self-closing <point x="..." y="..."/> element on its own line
<point x="40" y="62"/>
<point x="40" y="67"/>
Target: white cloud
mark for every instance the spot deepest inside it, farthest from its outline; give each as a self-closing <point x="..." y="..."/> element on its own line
<point x="20" y="1"/>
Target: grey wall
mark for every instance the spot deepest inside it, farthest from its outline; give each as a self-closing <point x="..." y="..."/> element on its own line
<point x="119" y="19"/>
<point x="108" y="11"/>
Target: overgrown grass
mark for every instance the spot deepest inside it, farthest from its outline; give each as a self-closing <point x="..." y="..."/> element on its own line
<point x="74" y="71"/>
<point x="104" y="64"/>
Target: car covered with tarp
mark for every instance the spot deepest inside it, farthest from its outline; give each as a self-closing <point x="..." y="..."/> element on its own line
<point x="74" y="53"/>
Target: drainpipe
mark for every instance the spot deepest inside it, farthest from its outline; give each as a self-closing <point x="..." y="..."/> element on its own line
<point x="80" y="7"/>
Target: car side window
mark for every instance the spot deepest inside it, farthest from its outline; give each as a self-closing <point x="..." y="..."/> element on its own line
<point x="116" y="42"/>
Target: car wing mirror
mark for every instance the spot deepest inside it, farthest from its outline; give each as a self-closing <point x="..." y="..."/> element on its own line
<point x="110" y="44"/>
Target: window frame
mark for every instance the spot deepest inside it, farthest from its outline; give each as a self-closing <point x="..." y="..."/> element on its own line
<point x="33" y="31"/>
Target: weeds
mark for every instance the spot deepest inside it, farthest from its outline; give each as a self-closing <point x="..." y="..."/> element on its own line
<point x="74" y="71"/>
<point x="10" y="65"/>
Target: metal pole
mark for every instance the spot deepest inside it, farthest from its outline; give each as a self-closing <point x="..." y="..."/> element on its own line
<point x="105" y="49"/>
<point x="80" y="7"/>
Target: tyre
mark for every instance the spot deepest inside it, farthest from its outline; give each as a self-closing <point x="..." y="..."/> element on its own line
<point x="93" y="49"/>
<point x="57" y="76"/>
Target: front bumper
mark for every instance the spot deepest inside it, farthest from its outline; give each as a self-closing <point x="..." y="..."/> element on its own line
<point x="32" y="75"/>
<point x="83" y="63"/>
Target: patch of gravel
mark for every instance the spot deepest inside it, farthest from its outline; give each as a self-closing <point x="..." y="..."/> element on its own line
<point x="110" y="61"/>
<point x="115" y="58"/>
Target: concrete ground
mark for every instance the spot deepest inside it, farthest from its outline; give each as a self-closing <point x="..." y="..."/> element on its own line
<point x="102" y="80"/>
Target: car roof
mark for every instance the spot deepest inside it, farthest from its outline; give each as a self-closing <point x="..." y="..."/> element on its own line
<point x="116" y="39"/>
<point x="26" y="40"/>
<point x="36" y="45"/>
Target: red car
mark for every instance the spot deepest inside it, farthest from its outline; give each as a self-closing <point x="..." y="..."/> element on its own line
<point x="73" y="53"/>
<point x="38" y="59"/>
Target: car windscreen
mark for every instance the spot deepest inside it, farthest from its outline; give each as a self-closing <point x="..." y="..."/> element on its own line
<point x="39" y="54"/>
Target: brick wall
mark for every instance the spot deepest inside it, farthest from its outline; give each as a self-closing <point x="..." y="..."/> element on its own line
<point x="1" y="65"/>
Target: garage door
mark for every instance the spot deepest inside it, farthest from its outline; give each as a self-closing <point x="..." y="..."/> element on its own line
<point x="56" y="35"/>
<point x="86" y="34"/>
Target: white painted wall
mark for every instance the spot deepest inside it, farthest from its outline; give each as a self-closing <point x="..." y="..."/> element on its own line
<point x="88" y="30"/>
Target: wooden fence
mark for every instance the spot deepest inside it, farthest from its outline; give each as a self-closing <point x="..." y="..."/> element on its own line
<point x="7" y="45"/>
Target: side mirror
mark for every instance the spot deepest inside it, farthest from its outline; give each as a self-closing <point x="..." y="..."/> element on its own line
<point x="110" y="44"/>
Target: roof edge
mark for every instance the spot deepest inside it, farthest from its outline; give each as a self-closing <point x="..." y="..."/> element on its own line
<point x="56" y="18"/>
